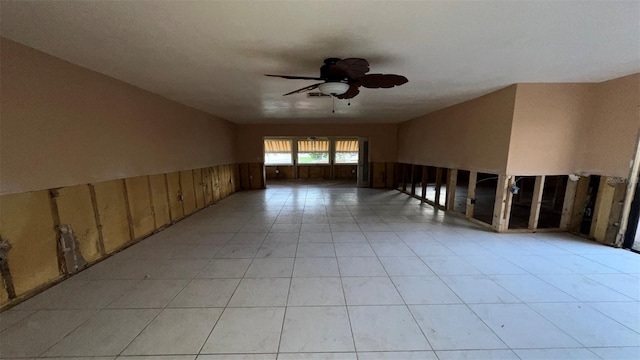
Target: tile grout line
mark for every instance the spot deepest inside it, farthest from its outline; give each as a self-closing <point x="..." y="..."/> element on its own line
<point x="346" y="306"/>
<point x="232" y="294"/>
<point x="406" y="306"/>
<point x="286" y="306"/>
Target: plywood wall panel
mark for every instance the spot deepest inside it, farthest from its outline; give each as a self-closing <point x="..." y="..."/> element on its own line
<point x="188" y="192"/>
<point x="207" y="181"/>
<point x="112" y="209"/>
<point x="236" y="177"/>
<point x="317" y="172"/>
<point x="303" y="172"/>
<point x="198" y="185"/>
<point x="256" y="176"/>
<point x="27" y="224"/>
<point x="346" y="171"/>
<point x="76" y="209"/>
<point x="216" y="183"/>
<point x="379" y="175"/>
<point x="391" y="175"/>
<point x="225" y="181"/>
<point x="159" y="200"/>
<point x="245" y="173"/>
<point x="4" y="297"/>
<point x="175" y="196"/>
<point x="139" y="199"/>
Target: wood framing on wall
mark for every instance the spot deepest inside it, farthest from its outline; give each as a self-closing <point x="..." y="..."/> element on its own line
<point x="536" y="203"/>
<point x="471" y="194"/>
<point x="104" y="217"/>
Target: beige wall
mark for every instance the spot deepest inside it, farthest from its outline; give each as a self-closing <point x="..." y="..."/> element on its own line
<point x="382" y="137"/>
<point x="575" y="128"/>
<point x="548" y="125"/>
<point x="610" y="141"/>
<point x="473" y="135"/>
<point x="62" y="125"/>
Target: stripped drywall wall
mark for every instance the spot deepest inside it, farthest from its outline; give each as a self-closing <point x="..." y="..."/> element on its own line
<point x="26" y="222"/>
<point x="75" y="209"/>
<point x="104" y="217"/>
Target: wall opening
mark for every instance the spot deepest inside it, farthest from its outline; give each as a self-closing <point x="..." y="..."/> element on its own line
<point x="462" y="192"/>
<point x="521" y="202"/>
<point x="416" y="180"/>
<point x="442" y="199"/>
<point x="589" y="208"/>
<point x="552" y="201"/>
<point x="486" y="187"/>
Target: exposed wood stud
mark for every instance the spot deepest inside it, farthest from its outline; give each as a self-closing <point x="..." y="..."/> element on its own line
<point x="166" y="186"/>
<point x="452" y="180"/>
<point x="580" y="201"/>
<point x="413" y="180"/>
<point x="536" y="202"/>
<point x="55" y="215"/>
<point x="127" y="206"/>
<point x="153" y="208"/>
<point x="94" y="203"/>
<point x="471" y="194"/>
<point x="425" y="179"/>
<point x="438" y="184"/>
<point x="502" y="205"/>
<point x="615" y="214"/>
<point x="602" y="209"/>
<point x="567" y="206"/>
<point x="404" y="177"/>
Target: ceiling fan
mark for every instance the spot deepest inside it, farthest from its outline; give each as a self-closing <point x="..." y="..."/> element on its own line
<point x="342" y="78"/>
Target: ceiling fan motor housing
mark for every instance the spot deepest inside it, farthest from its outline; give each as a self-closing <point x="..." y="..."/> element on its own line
<point x="325" y="72"/>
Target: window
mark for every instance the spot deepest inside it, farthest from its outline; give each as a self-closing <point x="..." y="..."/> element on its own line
<point x="277" y="152"/>
<point x="313" y="152"/>
<point x="346" y="152"/>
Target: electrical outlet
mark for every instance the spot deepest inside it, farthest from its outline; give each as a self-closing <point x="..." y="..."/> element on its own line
<point x="250" y="177"/>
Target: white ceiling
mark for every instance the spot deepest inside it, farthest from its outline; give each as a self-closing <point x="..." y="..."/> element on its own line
<point x="212" y="54"/>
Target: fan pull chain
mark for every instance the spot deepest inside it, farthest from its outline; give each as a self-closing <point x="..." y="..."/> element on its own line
<point x="333" y="99"/>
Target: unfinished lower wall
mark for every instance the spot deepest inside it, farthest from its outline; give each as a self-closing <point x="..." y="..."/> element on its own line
<point x="105" y="217"/>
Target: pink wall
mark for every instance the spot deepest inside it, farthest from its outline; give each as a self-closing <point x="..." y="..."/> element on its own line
<point x="382" y="137"/>
<point x="610" y="141"/>
<point x="64" y="125"/>
<point x="473" y="135"/>
<point x="548" y="125"/>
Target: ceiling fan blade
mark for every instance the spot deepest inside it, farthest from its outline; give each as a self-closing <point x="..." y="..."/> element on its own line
<point x="306" y="88"/>
<point x="295" y="77"/>
<point x="353" y="68"/>
<point x="352" y="92"/>
<point x="374" y="81"/>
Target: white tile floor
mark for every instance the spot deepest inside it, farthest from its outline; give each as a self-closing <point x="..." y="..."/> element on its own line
<point x="304" y="272"/>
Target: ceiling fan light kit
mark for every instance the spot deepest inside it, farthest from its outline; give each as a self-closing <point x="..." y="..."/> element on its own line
<point x="333" y="88"/>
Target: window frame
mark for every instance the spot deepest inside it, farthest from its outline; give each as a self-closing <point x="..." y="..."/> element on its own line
<point x="336" y="152"/>
<point x="290" y="152"/>
<point x="328" y="152"/>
